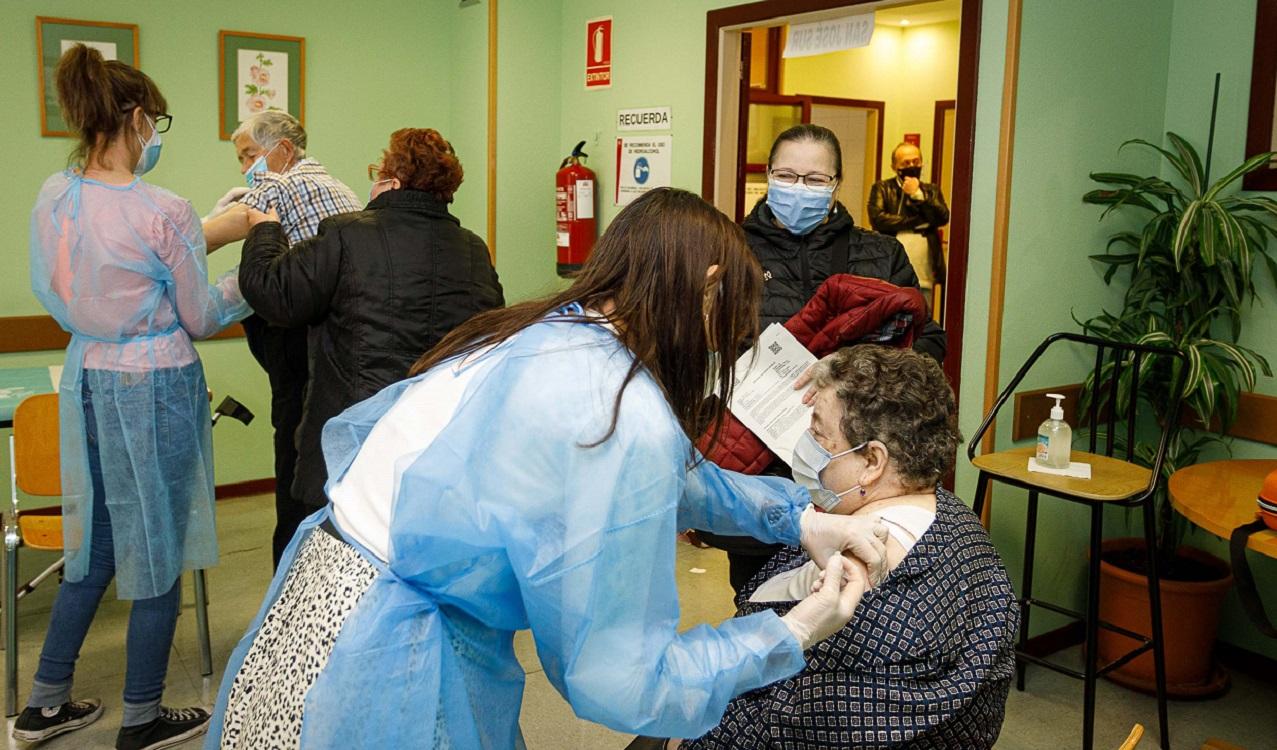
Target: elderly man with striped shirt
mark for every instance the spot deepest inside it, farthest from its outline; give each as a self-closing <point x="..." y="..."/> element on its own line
<point x="271" y="148"/>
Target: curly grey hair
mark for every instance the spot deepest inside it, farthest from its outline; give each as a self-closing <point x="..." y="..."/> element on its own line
<point x="268" y="128"/>
<point x="898" y="397"/>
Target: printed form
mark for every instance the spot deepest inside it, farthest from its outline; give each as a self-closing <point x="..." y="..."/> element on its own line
<point x="764" y="399"/>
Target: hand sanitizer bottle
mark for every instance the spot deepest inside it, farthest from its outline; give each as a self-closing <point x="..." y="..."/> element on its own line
<point x="1055" y="438"/>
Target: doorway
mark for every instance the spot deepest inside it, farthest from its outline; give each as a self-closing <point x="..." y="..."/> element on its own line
<point x="732" y="178"/>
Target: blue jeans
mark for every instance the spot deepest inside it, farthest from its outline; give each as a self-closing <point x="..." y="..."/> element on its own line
<point x="151" y="621"/>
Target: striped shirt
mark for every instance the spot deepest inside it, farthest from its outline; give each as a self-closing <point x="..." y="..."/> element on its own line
<point x="304" y="196"/>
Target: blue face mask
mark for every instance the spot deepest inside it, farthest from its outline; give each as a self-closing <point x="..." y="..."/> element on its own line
<point x="259" y="167"/>
<point x="800" y="208"/>
<point x="810" y="459"/>
<point x="150" y="151"/>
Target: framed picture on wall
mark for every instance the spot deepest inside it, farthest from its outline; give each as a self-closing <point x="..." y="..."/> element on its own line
<point x="1261" y="133"/>
<point x="53" y="36"/>
<point x="256" y="73"/>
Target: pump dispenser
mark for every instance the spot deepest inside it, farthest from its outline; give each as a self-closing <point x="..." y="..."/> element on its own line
<point x="1055" y="438"/>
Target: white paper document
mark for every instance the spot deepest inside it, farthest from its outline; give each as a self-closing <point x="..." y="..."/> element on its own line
<point x="1075" y="470"/>
<point x="764" y="399"/>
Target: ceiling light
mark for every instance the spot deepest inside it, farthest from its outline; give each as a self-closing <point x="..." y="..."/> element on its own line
<point x="904" y="22"/>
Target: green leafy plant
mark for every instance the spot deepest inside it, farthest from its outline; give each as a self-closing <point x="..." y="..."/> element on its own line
<point x="1191" y="271"/>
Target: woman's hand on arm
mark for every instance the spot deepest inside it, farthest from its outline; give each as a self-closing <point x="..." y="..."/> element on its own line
<point x="229" y="226"/>
<point x="824" y="535"/>
<point x="831" y="606"/>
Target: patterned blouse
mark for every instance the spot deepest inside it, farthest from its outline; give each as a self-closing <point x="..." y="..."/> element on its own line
<point x="925" y="663"/>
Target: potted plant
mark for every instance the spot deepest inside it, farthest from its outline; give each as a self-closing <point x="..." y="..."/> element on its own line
<point x="1191" y="270"/>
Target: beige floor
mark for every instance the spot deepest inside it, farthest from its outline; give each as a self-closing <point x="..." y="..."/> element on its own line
<point x="1045" y="717"/>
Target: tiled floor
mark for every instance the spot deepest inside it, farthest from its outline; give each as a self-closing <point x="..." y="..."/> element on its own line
<point x="1045" y="717"/>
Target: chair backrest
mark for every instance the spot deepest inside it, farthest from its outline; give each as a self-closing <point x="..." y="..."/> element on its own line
<point x="1133" y="739"/>
<point x="1114" y="386"/>
<point x="36" y="456"/>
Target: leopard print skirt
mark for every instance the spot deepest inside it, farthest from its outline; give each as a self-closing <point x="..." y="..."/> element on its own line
<point x="324" y="583"/>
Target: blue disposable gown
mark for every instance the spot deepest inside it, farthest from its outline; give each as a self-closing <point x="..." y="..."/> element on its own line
<point x="509" y="521"/>
<point x="123" y="269"/>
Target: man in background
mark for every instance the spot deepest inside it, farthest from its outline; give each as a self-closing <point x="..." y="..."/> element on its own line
<point x="912" y="211"/>
<point x="271" y="148"/>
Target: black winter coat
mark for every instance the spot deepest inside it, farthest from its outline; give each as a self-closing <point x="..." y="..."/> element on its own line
<point x="891" y="213"/>
<point x="794" y="266"/>
<point x="378" y="288"/>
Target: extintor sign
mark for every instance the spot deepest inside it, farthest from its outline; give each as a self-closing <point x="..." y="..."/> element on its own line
<point x="598" y="53"/>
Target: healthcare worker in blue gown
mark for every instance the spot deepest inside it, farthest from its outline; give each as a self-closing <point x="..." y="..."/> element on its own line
<point x="535" y="473"/>
<point x="120" y="264"/>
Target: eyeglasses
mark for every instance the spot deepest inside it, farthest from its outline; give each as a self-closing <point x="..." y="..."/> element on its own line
<point x="811" y="179"/>
<point x="163" y="123"/>
<point x="374" y="172"/>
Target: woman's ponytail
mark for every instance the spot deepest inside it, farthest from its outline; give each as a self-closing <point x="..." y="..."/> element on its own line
<point x="98" y="96"/>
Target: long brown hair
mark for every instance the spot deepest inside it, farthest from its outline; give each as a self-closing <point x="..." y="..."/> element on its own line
<point x="650" y="265"/>
<point x="98" y="97"/>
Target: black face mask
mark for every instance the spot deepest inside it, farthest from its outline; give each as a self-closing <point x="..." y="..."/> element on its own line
<point x="914" y="172"/>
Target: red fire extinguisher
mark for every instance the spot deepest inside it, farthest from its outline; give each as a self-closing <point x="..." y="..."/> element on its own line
<point x="574" y="209"/>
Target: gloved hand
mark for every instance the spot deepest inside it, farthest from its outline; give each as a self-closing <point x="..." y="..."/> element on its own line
<point x="826" y="611"/>
<point x="223" y="203"/>
<point x="824" y="535"/>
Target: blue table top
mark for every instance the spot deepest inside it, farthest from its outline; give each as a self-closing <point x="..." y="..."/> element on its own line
<point x="17" y="383"/>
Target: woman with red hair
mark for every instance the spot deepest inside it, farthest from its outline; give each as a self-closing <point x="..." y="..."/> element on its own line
<point x="377" y="287"/>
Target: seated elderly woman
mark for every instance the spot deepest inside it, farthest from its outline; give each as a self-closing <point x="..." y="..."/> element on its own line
<point x="927" y="660"/>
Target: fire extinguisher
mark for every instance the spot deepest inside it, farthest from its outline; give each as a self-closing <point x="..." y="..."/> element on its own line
<point x="574" y="210"/>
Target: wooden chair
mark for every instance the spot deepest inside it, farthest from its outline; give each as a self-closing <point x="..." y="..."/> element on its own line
<point x="35" y="469"/>
<point x="1114" y="481"/>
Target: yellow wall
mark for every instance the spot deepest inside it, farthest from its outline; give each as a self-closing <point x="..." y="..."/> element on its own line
<point x="909" y="68"/>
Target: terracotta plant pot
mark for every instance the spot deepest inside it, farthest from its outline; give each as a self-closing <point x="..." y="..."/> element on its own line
<point x="1190" y="621"/>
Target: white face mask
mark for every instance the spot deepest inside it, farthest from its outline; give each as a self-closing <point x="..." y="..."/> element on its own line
<point x="810" y="459"/>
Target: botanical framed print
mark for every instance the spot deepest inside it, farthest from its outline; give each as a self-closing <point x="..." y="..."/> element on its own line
<point x="256" y="73"/>
<point x="54" y="36"/>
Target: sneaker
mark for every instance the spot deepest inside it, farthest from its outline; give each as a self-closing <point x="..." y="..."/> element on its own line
<point x="36" y="724"/>
<point x="172" y="727"/>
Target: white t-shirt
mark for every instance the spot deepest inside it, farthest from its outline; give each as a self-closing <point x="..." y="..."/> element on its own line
<point x="363" y="499"/>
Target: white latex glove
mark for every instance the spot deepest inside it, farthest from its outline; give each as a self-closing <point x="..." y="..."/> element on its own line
<point x="223" y="203"/>
<point x="825" y="612"/>
<point x="824" y="535"/>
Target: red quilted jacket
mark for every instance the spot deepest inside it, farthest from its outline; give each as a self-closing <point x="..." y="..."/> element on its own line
<point x="844" y="310"/>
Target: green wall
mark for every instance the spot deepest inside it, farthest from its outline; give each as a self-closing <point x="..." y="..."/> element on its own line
<point x="528" y="146"/>
<point x="1209" y="37"/>
<point x="1074" y="108"/>
<point x="658" y="60"/>
<point x="363" y="80"/>
<point x="1072" y="112"/>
